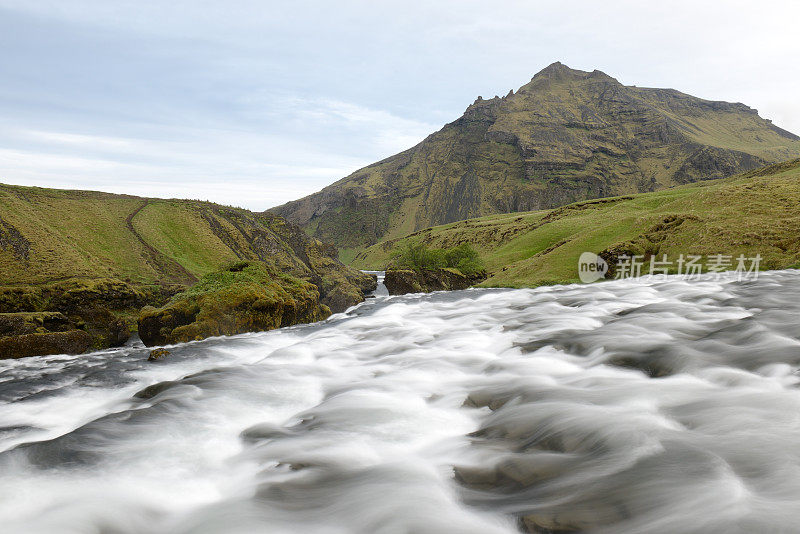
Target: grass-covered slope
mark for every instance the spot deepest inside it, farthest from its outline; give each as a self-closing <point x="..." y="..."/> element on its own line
<point x="754" y="213"/>
<point x="566" y="136"/>
<point x="48" y="235"/>
<point x="98" y="258"/>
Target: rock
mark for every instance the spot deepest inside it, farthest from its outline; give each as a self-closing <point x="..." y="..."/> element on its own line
<point x="340" y="298"/>
<point x="156" y="389"/>
<point x="339" y="286"/>
<point x="42" y="344"/>
<point x="402" y="281"/>
<point x="551" y="524"/>
<point x="100" y="307"/>
<point x="13" y="324"/>
<point x="264" y="431"/>
<point x="26" y="334"/>
<point x="157" y="354"/>
<point x="245" y="297"/>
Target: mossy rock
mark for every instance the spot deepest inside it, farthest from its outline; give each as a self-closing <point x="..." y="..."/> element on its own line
<point x="402" y="281"/>
<point x="80" y="293"/>
<point x="14" y="324"/>
<point x="104" y="308"/>
<point x="245" y="297"/>
<point x="26" y="334"/>
<point x="158" y="354"/>
<point x="42" y="344"/>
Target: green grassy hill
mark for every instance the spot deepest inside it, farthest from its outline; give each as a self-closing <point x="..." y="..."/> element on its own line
<point x="566" y="136"/>
<point x="47" y="235"/>
<point x="95" y="259"/>
<point x="753" y="213"/>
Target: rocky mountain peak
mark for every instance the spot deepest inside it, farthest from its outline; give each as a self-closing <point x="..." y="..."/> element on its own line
<point x="557" y="73"/>
<point x="566" y="135"/>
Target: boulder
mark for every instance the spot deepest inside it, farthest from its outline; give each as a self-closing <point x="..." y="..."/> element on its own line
<point x="101" y="307"/>
<point x="14" y="324"/>
<point x="25" y="334"/>
<point x="402" y="281"/>
<point x="42" y="344"/>
<point x="157" y="354"/>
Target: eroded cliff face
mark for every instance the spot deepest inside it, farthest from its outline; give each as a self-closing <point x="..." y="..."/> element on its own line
<point x="568" y="135"/>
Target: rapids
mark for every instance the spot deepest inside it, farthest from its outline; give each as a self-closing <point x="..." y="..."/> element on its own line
<point x="632" y="406"/>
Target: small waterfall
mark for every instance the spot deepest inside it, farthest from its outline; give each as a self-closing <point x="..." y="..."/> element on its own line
<point x="381" y="290"/>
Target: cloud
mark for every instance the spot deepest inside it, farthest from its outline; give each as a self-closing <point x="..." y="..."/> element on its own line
<point x="253" y="169"/>
<point x="255" y="103"/>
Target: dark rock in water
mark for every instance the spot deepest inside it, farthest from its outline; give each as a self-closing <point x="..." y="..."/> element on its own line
<point x="152" y="390"/>
<point x="551" y="524"/>
<point x="157" y="354"/>
<point x="246" y="297"/>
<point x="42" y="344"/>
<point x="402" y="281"/>
<point x="263" y="431"/>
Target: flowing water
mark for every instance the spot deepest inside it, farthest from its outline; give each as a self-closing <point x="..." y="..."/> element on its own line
<point x="624" y="407"/>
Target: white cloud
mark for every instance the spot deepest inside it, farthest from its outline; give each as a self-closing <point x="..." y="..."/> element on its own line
<point x="255" y="103"/>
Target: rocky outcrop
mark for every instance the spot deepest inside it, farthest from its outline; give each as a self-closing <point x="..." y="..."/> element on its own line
<point x="246" y="297"/>
<point x="40" y="333"/>
<point x="314" y="261"/>
<point x="68" y="317"/>
<point x="103" y="309"/>
<point x="402" y="281"/>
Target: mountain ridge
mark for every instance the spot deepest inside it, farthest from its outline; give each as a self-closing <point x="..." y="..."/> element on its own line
<point x="566" y="135"/>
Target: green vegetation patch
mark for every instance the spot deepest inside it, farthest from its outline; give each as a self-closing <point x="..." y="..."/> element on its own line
<point x="247" y="296"/>
<point x="417" y="256"/>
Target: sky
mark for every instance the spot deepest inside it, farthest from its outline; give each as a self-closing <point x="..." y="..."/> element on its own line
<point x="255" y="103"/>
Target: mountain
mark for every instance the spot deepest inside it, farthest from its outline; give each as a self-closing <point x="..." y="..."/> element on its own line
<point x="754" y="213"/>
<point x="566" y="136"/>
<point x="98" y="258"/>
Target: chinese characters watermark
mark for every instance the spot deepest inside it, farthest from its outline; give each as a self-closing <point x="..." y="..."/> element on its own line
<point x="592" y="267"/>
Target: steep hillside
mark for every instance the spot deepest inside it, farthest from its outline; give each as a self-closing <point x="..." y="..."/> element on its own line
<point x="753" y="213"/>
<point x="97" y="258"/>
<point x="566" y="136"/>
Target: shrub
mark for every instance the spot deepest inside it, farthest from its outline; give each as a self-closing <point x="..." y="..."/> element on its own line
<point x="417" y="256"/>
<point x="464" y="258"/>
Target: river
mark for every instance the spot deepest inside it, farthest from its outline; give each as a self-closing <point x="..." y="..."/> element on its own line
<point x="624" y="407"/>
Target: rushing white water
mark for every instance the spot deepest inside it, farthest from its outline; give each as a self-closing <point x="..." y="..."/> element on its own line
<point x="624" y="407"/>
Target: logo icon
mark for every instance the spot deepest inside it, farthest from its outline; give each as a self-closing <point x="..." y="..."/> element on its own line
<point x="591" y="267"/>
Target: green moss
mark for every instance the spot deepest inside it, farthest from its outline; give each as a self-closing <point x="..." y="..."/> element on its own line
<point x="245" y="297"/>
